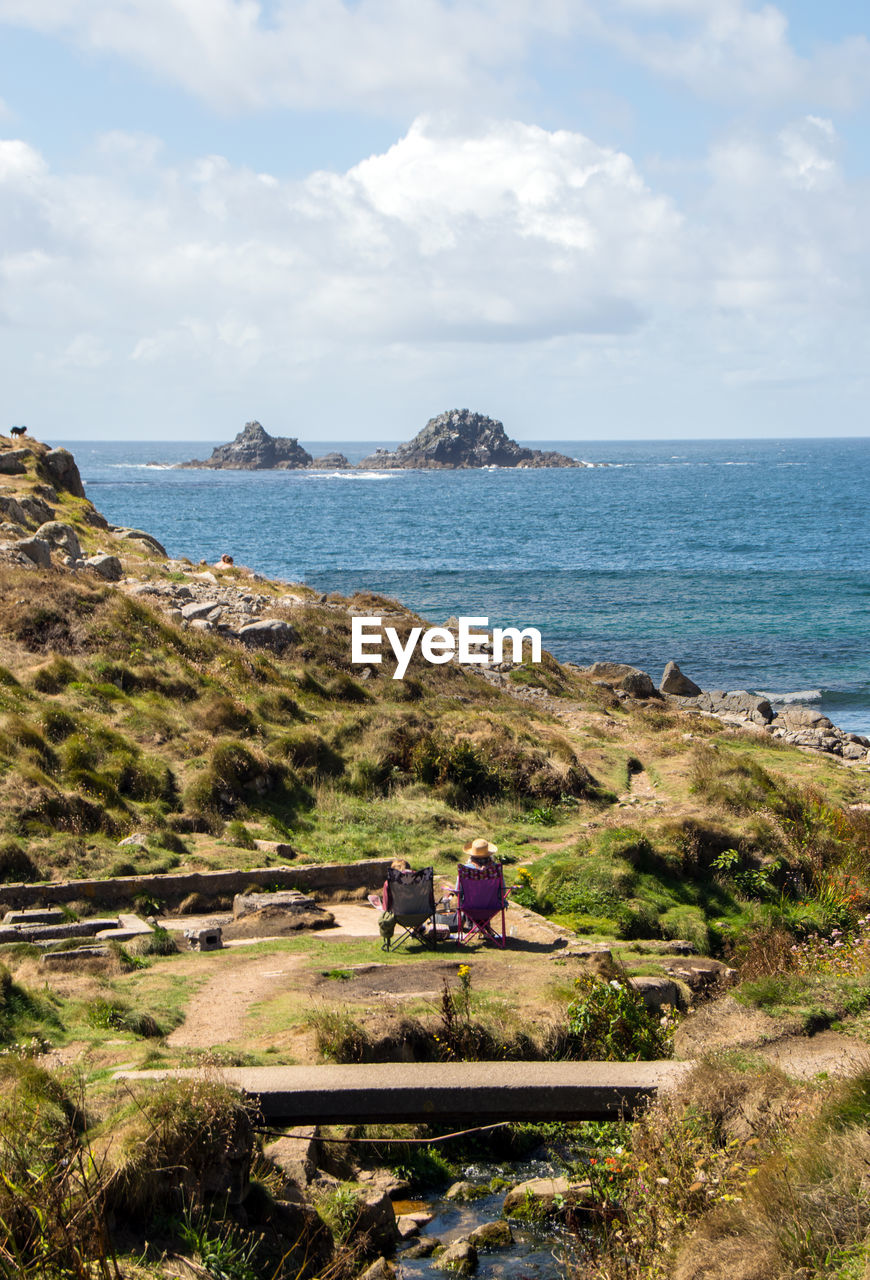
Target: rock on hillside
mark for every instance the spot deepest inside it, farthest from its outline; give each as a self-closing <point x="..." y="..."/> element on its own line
<point x="460" y="439"/>
<point x="255" y="450"/>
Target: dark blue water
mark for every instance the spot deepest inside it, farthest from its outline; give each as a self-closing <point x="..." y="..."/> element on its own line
<point x="748" y="562"/>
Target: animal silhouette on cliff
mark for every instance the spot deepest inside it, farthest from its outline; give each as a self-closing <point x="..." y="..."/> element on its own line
<point x="18" y="431"/>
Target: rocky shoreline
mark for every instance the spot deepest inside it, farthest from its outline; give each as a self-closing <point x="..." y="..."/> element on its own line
<point x="796" y="725"/>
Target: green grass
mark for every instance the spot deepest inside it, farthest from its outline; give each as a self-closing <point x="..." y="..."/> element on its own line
<point x="817" y="1000"/>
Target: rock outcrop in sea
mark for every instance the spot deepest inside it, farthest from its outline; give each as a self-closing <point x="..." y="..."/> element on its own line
<point x="459" y="439"/>
<point x="255" y="450"/>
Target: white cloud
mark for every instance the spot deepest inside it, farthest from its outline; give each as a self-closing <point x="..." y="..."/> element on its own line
<point x="306" y="53"/>
<point x="504" y="234"/>
<point x="443" y="253"/>
<point x="397" y="56"/>
<point x="735" y="51"/>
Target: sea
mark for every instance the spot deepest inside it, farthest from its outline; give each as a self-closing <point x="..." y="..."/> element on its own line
<point x="747" y="562"/>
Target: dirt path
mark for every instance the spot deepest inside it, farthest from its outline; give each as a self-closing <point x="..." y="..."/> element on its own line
<point x="216" y="1014"/>
<point x="828" y="1052"/>
<point x="727" y="1024"/>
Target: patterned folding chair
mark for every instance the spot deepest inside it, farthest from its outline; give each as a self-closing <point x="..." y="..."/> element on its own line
<point x="482" y="897"/>
<point x="410" y="896"/>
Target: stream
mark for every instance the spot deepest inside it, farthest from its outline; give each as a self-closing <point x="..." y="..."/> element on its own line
<point x="539" y="1250"/>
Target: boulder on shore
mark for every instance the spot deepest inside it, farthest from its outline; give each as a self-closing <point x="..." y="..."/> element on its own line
<point x="675" y="683"/>
<point x="458" y="440"/>
<point x="619" y="675"/>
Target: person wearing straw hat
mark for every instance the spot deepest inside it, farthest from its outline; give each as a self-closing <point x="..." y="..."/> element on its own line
<point x="478" y="853"/>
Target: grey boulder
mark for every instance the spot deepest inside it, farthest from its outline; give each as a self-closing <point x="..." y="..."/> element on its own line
<point x="105" y="566"/>
<point x="13" y="461"/>
<point x="62" y="470"/>
<point x="58" y="534"/>
<point x="201" y="609"/>
<point x="680" y="686"/>
<point x="37" y="550"/>
<point x="797" y="717"/>
<point x="620" y="675"/>
<point x="460" y="1257"/>
<point x="267" y="633"/>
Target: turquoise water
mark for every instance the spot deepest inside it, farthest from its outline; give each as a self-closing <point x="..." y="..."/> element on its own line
<point x="748" y="562"/>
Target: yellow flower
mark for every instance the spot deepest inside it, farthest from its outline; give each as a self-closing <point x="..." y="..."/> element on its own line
<point x="464" y="970"/>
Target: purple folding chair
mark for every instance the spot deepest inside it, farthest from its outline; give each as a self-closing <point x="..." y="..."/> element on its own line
<point x="481" y="897"/>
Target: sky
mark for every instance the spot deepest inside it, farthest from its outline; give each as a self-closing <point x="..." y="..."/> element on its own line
<point x="592" y="219"/>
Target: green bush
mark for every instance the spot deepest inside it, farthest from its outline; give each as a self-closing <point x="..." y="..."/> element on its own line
<point x="16" y="864"/>
<point x="58" y="724"/>
<point x="54" y="676"/>
<point x="311" y="755"/>
<point x="159" y="942"/>
<point x="220" y="714"/>
<point x="111" y="1015"/>
<point x="24" y="735"/>
<point x="609" y="1021"/>
<point x="236" y="833"/>
<point x="457" y="765"/>
<point x="22" y="1013"/>
<point x="192" y="1141"/>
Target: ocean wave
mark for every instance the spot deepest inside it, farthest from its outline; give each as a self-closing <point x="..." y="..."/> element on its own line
<point x="140" y="466"/>
<point x="353" y="475"/>
<point x="800" y="695"/>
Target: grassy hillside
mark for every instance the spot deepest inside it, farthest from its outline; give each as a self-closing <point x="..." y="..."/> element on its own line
<point x="632" y="819"/>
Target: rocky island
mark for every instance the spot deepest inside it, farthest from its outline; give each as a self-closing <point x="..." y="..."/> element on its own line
<point x="255" y="450"/>
<point x="458" y="440"/>
<point x="454" y="441"/>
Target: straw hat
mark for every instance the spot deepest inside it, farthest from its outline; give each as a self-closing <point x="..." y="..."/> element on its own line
<point x="480" y="849"/>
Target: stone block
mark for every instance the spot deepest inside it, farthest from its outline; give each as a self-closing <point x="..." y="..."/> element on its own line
<point x="210" y="939"/>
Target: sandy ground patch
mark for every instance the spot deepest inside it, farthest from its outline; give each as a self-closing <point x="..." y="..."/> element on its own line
<point x="216" y="1014"/>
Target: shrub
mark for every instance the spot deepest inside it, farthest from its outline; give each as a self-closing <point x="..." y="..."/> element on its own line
<point x="609" y="1021"/>
<point x="146" y="780"/>
<point x="80" y="752"/>
<point x="192" y="1141"/>
<point x="339" y="1037"/>
<point x="46" y="812"/>
<point x="456" y="764"/>
<point x="169" y="840"/>
<point x="311" y="755"/>
<point x="159" y="942"/>
<point x="51" y="1194"/>
<point x="24" y="735"/>
<point x="342" y="688"/>
<point x="220" y="714"/>
<point x="111" y="1015"/>
<point x="236" y="833"/>
<point x="21" y="1012"/>
<point x="16" y="864"/>
<point x="279" y="707"/>
<point x="54" y="676"/>
<point x="58" y="725"/>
